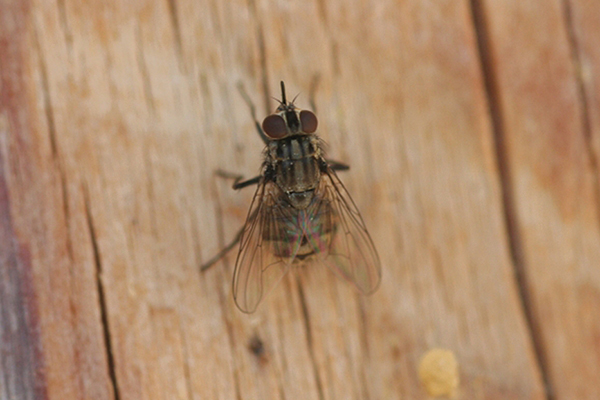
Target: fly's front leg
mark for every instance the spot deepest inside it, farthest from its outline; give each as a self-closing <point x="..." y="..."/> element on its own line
<point x="313" y="90"/>
<point x="248" y="101"/>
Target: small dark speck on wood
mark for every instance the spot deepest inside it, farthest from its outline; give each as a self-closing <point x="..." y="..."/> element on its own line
<point x="257" y="347"/>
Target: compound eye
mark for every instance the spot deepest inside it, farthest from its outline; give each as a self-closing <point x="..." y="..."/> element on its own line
<point x="274" y="126"/>
<point x="309" y="121"/>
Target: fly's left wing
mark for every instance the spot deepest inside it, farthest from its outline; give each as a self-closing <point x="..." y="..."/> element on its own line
<point x="269" y="243"/>
<point x="339" y="236"/>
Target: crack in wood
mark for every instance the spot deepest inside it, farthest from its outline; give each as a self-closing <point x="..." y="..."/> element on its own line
<point x="496" y="114"/>
<point x="101" y="294"/>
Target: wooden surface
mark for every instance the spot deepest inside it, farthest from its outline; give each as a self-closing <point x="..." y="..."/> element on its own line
<point x="473" y="133"/>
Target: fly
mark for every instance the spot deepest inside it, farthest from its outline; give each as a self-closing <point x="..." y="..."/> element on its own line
<point x="301" y="210"/>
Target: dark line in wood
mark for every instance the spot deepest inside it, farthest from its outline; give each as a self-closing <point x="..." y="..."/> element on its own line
<point x="231" y="340"/>
<point x="49" y="113"/>
<point x="508" y="197"/>
<point x="207" y="103"/>
<point x="309" y="342"/>
<point x="172" y="5"/>
<point x="281" y="348"/>
<point x="150" y="191"/>
<point x="144" y="71"/>
<point x="186" y="362"/>
<point x="101" y="295"/>
<point x="322" y="11"/>
<point x="62" y="179"/>
<point x="581" y="93"/>
<point x="112" y="86"/>
<point x="362" y="331"/>
<point x="194" y="224"/>
<point x="264" y="70"/>
<point x="46" y="96"/>
<point x="64" y="23"/>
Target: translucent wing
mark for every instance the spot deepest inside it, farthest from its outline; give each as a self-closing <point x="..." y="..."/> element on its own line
<point x="268" y="245"/>
<point x="340" y="240"/>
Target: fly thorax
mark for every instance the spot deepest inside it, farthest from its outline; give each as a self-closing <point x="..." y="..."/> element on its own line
<point x="296" y="167"/>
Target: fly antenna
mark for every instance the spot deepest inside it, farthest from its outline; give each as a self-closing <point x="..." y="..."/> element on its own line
<point x="283" y="100"/>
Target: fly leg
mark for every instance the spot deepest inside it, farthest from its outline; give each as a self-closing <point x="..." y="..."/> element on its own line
<point x="238" y="182"/>
<point x="223" y="252"/>
<point x="337" y="166"/>
<point x="227" y="248"/>
<point x="248" y="101"/>
<point x="313" y="90"/>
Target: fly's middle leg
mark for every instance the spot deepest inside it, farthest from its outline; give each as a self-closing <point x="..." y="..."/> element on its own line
<point x="337" y="166"/>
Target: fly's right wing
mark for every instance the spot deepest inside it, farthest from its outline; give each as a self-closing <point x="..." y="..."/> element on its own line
<point x="340" y="238"/>
<point x="269" y="243"/>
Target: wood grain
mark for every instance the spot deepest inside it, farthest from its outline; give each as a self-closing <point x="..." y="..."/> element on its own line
<point x="473" y="136"/>
<point x="546" y="104"/>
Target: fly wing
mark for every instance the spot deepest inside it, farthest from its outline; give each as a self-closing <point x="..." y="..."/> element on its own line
<point x="268" y="245"/>
<point x="339" y="236"/>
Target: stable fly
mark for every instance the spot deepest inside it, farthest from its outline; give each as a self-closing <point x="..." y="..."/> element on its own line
<point x="301" y="212"/>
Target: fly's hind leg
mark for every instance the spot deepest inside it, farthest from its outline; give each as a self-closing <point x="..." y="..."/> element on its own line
<point x="223" y="252"/>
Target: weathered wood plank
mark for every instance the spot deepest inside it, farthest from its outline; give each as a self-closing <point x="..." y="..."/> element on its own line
<point x="48" y="260"/>
<point x="21" y="364"/>
<point x="545" y="58"/>
<point x="130" y="107"/>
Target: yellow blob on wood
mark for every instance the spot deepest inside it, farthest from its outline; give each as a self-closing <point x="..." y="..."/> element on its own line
<point x="438" y="372"/>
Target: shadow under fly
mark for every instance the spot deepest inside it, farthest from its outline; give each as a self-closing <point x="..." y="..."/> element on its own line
<point x="301" y="212"/>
